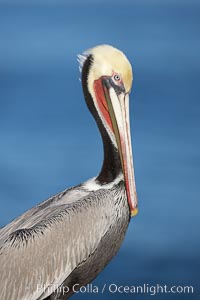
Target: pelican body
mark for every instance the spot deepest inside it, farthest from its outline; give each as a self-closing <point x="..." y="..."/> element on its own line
<point x="67" y="240"/>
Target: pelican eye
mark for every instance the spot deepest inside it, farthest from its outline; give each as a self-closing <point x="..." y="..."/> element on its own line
<point x="117" y="77"/>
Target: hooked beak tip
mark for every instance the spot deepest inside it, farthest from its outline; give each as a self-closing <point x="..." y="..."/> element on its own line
<point x="134" y="212"/>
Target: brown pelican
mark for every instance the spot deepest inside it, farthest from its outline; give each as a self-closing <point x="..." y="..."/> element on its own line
<point x="69" y="238"/>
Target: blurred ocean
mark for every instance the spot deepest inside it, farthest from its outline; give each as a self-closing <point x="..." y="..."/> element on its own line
<point x="49" y="141"/>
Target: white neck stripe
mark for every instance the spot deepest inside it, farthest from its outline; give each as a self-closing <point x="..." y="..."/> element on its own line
<point x="93" y="185"/>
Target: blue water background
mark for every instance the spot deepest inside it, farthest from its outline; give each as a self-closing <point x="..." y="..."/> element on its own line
<point x="49" y="141"/>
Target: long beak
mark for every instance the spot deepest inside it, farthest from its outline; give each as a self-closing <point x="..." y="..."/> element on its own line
<point x="118" y="106"/>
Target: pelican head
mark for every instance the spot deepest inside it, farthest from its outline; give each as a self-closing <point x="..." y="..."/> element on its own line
<point x="107" y="80"/>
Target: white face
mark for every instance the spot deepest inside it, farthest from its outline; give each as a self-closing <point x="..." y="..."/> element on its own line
<point x="109" y="60"/>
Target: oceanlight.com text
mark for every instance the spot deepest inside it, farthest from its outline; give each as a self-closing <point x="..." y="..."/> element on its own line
<point x="113" y="288"/>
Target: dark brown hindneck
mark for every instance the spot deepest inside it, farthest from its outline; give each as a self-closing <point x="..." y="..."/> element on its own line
<point x="111" y="164"/>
